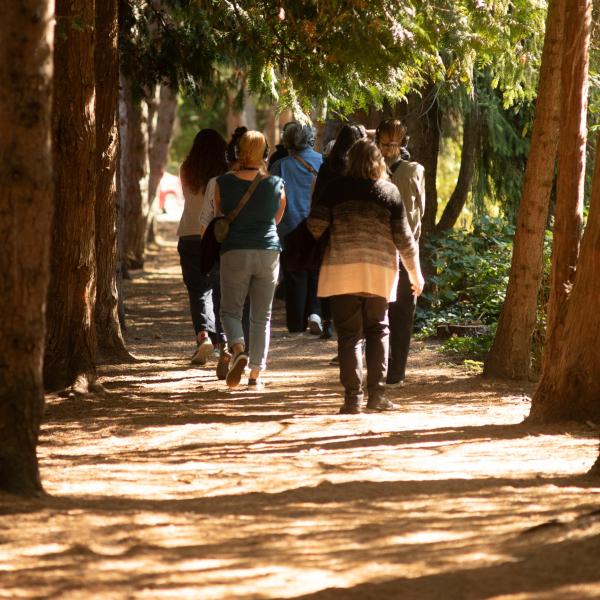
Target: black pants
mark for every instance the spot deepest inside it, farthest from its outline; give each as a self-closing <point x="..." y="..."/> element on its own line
<point x="357" y="318"/>
<point x="300" y="296"/>
<point x="204" y="308"/>
<point x="401" y="316"/>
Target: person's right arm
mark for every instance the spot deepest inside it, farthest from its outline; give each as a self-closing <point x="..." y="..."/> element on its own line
<point x="281" y="209"/>
<point x="406" y="245"/>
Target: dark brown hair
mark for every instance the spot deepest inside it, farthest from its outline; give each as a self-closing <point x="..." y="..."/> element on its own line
<point x="365" y="161"/>
<point x="394" y="128"/>
<point x="205" y="160"/>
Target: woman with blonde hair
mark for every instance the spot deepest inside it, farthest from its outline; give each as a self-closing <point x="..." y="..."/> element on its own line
<point x="359" y="273"/>
<point x="249" y="254"/>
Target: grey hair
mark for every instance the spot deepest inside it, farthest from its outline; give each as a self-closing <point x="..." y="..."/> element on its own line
<point x="297" y="136"/>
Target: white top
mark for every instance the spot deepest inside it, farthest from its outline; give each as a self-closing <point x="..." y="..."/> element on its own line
<point x="198" y="209"/>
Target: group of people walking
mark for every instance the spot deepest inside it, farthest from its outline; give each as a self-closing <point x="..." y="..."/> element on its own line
<point x="363" y="204"/>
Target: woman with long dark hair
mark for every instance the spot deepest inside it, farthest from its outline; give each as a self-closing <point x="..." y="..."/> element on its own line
<point x="333" y="167"/>
<point x="205" y="160"/>
<point x="368" y="227"/>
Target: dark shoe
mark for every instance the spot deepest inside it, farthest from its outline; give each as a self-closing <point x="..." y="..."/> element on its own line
<point x="380" y="404"/>
<point x="335" y="361"/>
<point x="223" y="364"/>
<point x="327" y="330"/>
<point x="394" y="382"/>
<point x="236" y="370"/>
<point x="352" y="408"/>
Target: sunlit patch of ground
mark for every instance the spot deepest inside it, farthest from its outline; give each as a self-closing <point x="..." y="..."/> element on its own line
<point x="171" y="486"/>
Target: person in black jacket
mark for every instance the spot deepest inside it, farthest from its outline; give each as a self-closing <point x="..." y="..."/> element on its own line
<point x="333" y="167"/>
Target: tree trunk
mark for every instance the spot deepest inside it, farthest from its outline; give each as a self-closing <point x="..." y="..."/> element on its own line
<point x="570" y="387"/>
<point x="470" y="145"/>
<point x="509" y="356"/>
<point x="111" y="345"/>
<point x="70" y="341"/>
<point x="134" y="175"/>
<point x="159" y="150"/>
<point x="423" y="123"/>
<point x="26" y="39"/>
<point x="568" y="212"/>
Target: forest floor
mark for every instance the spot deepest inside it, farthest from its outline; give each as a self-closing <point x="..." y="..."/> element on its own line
<point x="171" y="486"/>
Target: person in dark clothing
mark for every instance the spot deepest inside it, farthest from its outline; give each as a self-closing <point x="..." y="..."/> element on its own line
<point x="333" y="167"/>
<point x="205" y="160"/>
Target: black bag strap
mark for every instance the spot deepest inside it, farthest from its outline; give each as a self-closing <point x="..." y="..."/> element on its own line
<point x="310" y="168"/>
<point x="234" y="213"/>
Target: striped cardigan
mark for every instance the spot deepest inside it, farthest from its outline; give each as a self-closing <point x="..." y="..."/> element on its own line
<point x="368" y="227"/>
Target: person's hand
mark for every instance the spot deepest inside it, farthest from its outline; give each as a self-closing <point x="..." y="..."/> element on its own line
<point x="417" y="283"/>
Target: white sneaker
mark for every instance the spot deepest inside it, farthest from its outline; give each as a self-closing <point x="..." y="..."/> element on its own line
<point x="203" y="351"/>
<point x="314" y="324"/>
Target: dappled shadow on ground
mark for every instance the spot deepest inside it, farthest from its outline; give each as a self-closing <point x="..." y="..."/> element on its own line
<point x="171" y="486"/>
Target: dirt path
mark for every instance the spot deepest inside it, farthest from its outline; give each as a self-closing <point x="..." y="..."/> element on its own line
<point x="173" y="487"/>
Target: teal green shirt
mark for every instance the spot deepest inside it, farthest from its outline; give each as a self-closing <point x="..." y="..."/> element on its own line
<point x="254" y="228"/>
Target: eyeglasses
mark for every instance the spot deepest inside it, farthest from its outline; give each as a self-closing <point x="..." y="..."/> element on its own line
<point x="390" y="145"/>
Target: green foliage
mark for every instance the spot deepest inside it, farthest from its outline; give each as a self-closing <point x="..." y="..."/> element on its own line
<point x="471" y="276"/>
<point x="471" y="349"/>
<point x="335" y="55"/>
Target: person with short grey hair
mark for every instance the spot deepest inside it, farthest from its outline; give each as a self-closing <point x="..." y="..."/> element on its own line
<point x="298" y="171"/>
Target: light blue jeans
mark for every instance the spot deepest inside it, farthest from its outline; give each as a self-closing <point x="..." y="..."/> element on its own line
<point x="254" y="273"/>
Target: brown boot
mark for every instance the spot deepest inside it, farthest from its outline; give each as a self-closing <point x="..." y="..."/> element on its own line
<point x="224" y="360"/>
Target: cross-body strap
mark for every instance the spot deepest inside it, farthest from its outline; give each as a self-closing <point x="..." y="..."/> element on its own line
<point x="304" y="164"/>
<point x="234" y="213"/>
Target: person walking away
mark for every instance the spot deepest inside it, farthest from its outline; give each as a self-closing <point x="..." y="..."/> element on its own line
<point x="333" y="167"/>
<point x="298" y="171"/>
<point x="206" y="159"/>
<point x="249" y="255"/>
<point x="206" y="215"/>
<point x="360" y="271"/>
<point x="409" y="178"/>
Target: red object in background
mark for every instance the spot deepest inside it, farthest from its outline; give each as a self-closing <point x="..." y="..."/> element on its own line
<point x="170" y="196"/>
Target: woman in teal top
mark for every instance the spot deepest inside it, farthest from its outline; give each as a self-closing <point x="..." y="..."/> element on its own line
<point x="249" y="256"/>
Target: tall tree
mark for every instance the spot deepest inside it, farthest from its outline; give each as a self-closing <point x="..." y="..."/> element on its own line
<point x="111" y="345"/>
<point x="133" y="120"/>
<point x="509" y="356"/>
<point x="569" y="388"/>
<point x="159" y="149"/>
<point x="71" y="341"/>
<point x="468" y="160"/>
<point x="26" y="197"/>
<point x="568" y="213"/>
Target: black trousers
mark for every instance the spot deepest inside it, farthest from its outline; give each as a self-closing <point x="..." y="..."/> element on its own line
<point x="300" y="296"/>
<point x="204" y="308"/>
<point x="401" y="317"/>
<point x="357" y="318"/>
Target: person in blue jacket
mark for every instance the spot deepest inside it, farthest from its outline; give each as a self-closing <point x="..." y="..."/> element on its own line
<point x="298" y="171"/>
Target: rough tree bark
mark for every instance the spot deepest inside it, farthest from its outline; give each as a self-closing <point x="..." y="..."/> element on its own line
<point x="159" y="150"/>
<point x="568" y="212"/>
<point x="70" y="341"/>
<point x="134" y="174"/>
<point x="423" y="123"/>
<point x="509" y="356"/>
<point x="468" y="159"/>
<point x="111" y="345"/>
<point x="569" y="389"/>
<point x="26" y="40"/>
